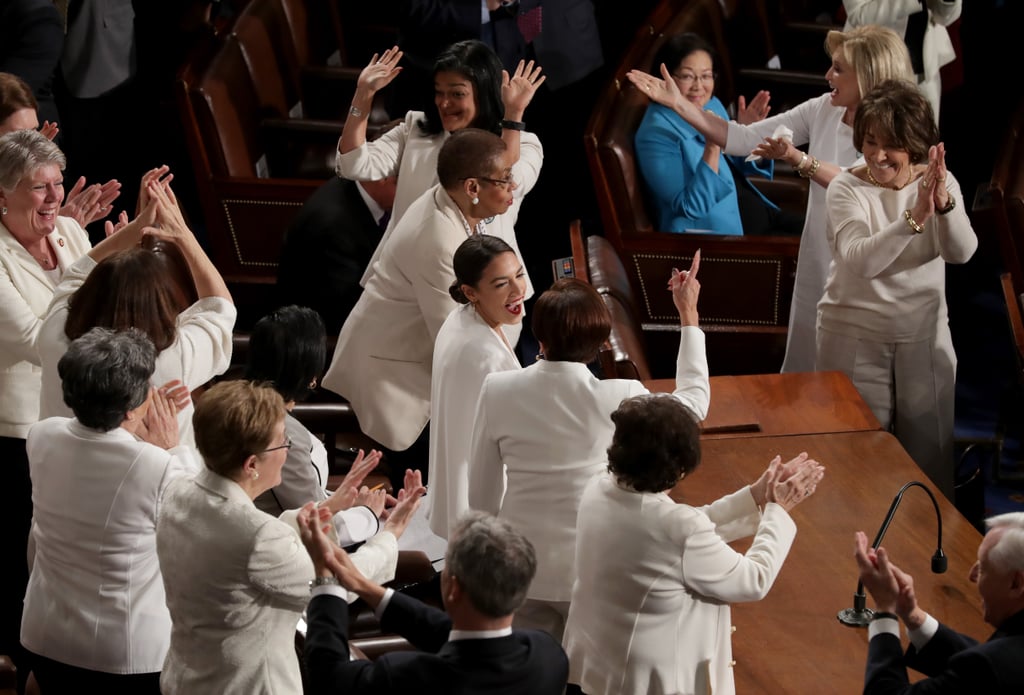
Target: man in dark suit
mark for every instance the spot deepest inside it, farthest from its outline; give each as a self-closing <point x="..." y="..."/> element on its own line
<point x="329" y="244"/>
<point x="471" y="649"/>
<point x="954" y="663"/>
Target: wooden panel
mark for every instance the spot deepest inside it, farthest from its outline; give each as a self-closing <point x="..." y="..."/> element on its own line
<point x="791" y="642"/>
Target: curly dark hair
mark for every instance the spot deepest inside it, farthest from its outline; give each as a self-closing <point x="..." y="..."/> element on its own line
<point x="656" y="443"/>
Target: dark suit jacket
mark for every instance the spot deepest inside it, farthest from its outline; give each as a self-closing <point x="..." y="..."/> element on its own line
<point x="31" y="39"/>
<point x="569" y="44"/>
<point x="326" y="250"/>
<point x="528" y="662"/>
<point x="954" y="663"/>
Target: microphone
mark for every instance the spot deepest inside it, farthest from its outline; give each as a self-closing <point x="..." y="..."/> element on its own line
<point x="860" y="614"/>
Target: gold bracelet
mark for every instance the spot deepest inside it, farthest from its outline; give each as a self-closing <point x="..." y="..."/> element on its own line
<point x="949" y="206"/>
<point x="811" y="170"/>
<point x="800" y="165"/>
<point x="912" y="222"/>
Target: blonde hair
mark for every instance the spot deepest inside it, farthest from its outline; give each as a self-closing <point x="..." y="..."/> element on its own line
<point x="876" y="54"/>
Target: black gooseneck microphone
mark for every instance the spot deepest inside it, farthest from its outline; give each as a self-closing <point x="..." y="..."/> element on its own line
<point x="860" y="614"/>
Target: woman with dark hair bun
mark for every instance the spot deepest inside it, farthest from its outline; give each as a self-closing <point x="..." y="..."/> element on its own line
<point x="540" y="434"/>
<point x="490" y="285"/>
<point x="470" y="91"/>
<point x="287" y="349"/>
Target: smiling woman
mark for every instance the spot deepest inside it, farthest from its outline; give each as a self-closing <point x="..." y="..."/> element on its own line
<point x="37" y="246"/>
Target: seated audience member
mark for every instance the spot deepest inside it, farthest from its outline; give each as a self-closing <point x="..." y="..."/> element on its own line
<point x="330" y="243"/>
<point x="653" y="615"/>
<point x="18" y="111"/>
<point x="472" y="648"/>
<point x="382" y="361"/>
<point x="954" y="663"/>
<point x="236" y="578"/>
<point x="490" y="285"/>
<point x="694" y="186"/>
<point x="546" y="429"/>
<point x="95" y="616"/>
<point x="120" y="284"/>
<point x="287" y="349"/>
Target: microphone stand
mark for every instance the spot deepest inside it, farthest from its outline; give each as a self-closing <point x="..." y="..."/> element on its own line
<point x="860" y="614"/>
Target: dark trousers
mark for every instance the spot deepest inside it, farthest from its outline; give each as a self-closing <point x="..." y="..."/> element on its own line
<point x="56" y="678"/>
<point x="15" y="521"/>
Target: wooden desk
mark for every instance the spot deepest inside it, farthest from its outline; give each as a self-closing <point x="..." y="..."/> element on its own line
<point x="791" y="642"/>
<point x="779" y="404"/>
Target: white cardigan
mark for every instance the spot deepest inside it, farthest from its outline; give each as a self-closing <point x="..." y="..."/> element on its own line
<point x="201" y="349"/>
<point x="466" y="351"/>
<point x="95" y="598"/>
<point x="406" y="152"/>
<point x="547" y="429"/>
<point x="650" y="608"/>
<point x="25" y="292"/>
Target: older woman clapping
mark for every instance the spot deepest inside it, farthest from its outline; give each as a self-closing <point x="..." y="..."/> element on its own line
<point x="893" y="224"/>
<point x="653" y="616"/>
<point x="237" y="579"/>
<point x="95" y="614"/>
<point x="36" y="246"/>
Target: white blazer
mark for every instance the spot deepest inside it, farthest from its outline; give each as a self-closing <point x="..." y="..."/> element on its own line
<point x="25" y="292"/>
<point x="237" y="581"/>
<point x="95" y="598"/>
<point x="404" y="151"/>
<point x="383" y="357"/>
<point x="547" y="428"/>
<point x="650" y="608"/>
<point x="201" y="349"/>
<point x="466" y="351"/>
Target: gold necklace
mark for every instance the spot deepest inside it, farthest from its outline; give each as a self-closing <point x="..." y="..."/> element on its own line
<point x="871" y="179"/>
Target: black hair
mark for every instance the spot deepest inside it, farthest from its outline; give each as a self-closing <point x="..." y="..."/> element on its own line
<point x="287" y="349"/>
<point x="479" y="64"/>
<point x="471" y="260"/>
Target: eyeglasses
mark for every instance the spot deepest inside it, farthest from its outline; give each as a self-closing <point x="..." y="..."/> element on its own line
<point x="287" y="445"/>
<point x="507" y="183"/>
<point x="686" y="79"/>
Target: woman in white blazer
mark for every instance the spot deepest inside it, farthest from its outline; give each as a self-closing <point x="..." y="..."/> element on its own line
<point x="120" y="284"/>
<point x="650" y="607"/>
<point x="36" y="247"/>
<point x="236" y="578"/>
<point x="471" y="91"/>
<point x="95" y="616"/>
<point x="545" y="429"/>
<point x="382" y="360"/>
<point x="287" y="349"/>
<point x="490" y="286"/>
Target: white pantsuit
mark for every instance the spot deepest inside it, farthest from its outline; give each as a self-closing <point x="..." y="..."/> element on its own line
<point x="547" y="429"/>
<point x="650" y="607"/>
<point x="466" y="351"/>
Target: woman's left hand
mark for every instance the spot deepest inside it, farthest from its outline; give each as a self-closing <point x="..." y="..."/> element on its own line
<point x="755" y="111"/>
<point x="662" y="91"/>
<point x="518" y="89"/>
<point x="160" y="424"/>
<point x="937" y="171"/>
<point x="685" y="291"/>
<point x="345" y="496"/>
<point x="778" y="148"/>
<point x="86" y="205"/>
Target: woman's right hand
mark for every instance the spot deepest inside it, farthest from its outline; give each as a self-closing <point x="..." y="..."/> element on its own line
<point x="408" y="501"/>
<point x="380" y="72"/>
<point x="160" y="424"/>
<point x="663" y="91"/>
<point x="790" y="484"/>
<point x="518" y="89"/>
<point x="685" y="292"/>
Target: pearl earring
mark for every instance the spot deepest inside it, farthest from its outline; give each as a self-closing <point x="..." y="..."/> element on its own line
<point x="3" y="211"/>
<point x="476" y="201"/>
<point x="255" y="475"/>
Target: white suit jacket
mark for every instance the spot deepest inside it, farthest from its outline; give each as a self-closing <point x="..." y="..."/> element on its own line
<point x="406" y="152"/>
<point x="25" y="292"/>
<point x="383" y="357"/>
<point x="650" y="608"/>
<point x="547" y="428"/>
<point x="237" y="580"/>
<point x="201" y="349"/>
<point x="466" y="351"/>
<point x="95" y="598"/>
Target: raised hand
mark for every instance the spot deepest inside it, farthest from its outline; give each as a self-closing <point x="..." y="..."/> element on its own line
<point x="791" y="484"/>
<point x="163" y="176"/>
<point x="755" y="111"/>
<point x="937" y="172"/>
<point x="160" y="423"/>
<point x="685" y="291"/>
<point x="408" y="501"/>
<point x="518" y="89"/>
<point x="348" y="492"/>
<point x="380" y="71"/>
<point x="88" y="204"/>
<point x="49" y="130"/>
<point x="663" y="91"/>
<point x="110" y="227"/>
<point x="177" y="393"/>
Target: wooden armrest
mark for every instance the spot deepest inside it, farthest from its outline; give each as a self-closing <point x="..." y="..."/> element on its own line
<point x="8" y="676"/>
<point x="372" y="647"/>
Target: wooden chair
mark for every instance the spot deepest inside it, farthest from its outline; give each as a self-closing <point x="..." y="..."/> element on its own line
<point x="579" y="251"/>
<point x="1001" y="207"/>
<point x="8" y="676"/>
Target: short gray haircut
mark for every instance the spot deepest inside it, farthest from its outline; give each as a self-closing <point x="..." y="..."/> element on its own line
<point x="493" y="562"/>
<point x="1008" y="552"/>
<point x="24" y="151"/>
<point x="106" y="373"/>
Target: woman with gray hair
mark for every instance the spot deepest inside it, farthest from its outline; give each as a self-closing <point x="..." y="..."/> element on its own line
<point x="95" y="615"/>
<point x="36" y="246"/>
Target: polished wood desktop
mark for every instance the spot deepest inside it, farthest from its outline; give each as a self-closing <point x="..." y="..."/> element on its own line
<point x="777" y="404"/>
<point x="792" y="642"/>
